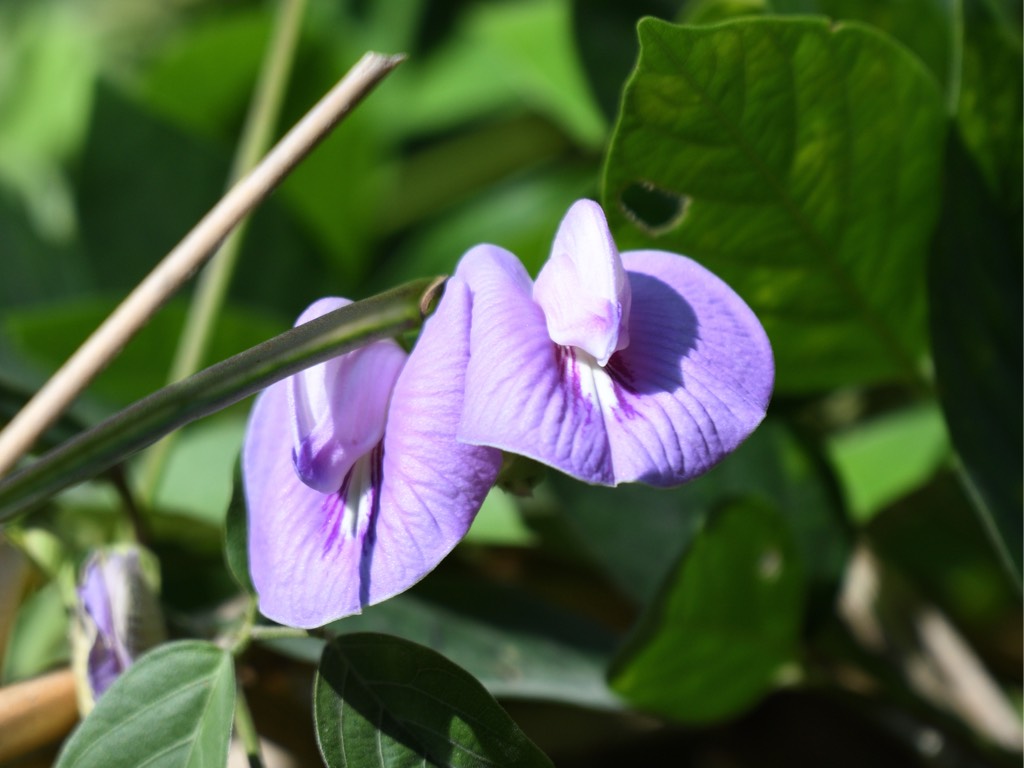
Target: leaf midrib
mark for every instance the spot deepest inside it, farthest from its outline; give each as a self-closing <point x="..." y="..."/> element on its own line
<point x="370" y="685"/>
<point x="826" y="254"/>
<point x="175" y="692"/>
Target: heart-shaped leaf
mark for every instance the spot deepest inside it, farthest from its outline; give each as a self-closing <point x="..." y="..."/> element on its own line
<point x="799" y="161"/>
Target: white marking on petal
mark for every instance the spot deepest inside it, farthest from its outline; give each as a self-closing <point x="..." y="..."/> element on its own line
<point x="349" y="511"/>
<point x="601" y="389"/>
<point x="339" y="407"/>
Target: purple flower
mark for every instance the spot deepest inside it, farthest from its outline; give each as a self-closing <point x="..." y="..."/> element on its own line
<point x="363" y="472"/>
<point x="613" y="368"/>
<point x="355" y="484"/>
<point x="117" y="619"/>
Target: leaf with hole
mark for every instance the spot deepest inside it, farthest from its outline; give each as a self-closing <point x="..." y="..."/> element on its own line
<point x="383" y="701"/>
<point x="802" y="162"/>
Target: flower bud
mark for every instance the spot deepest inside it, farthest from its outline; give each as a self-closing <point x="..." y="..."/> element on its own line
<point x="117" y="618"/>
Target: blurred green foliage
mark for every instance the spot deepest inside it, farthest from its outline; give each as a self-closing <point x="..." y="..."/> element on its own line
<point x="851" y="167"/>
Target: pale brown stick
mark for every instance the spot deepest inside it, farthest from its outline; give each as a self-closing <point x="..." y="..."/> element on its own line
<point x="182" y="262"/>
<point x="36" y="712"/>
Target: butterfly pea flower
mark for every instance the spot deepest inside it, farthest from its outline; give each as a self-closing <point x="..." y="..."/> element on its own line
<point x="355" y="484"/>
<point x="640" y="366"/>
<point x="117" y="617"/>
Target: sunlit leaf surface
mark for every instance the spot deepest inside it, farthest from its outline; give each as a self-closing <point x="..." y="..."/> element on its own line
<point x="172" y="708"/>
<point x="801" y="163"/>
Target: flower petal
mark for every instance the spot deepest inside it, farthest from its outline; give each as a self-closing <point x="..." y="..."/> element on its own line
<point x="285" y="521"/>
<point x="696" y="378"/>
<point x="583" y="288"/>
<point x="524" y="393"/>
<point x="117" y="616"/>
<point x="106" y="600"/>
<point x="339" y="407"/>
<point x="433" y="484"/>
<point x="317" y="557"/>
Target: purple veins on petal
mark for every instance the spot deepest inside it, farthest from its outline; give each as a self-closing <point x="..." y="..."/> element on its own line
<point x="658" y="395"/>
<point x="398" y="502"/>
<point x="522" y="393"/>
<point x="352" y="508"/>
<point x="622" y="385"/>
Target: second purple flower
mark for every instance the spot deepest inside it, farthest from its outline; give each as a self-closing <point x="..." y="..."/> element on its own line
<point x="355" y="484"/>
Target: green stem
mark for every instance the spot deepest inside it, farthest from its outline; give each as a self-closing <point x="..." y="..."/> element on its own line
<point x="213" y="283"/>
<point x="243" y="636"/>
<point x="246" y="730"/>
<point x="226" y="383"/>
<point x="260" y="632"/>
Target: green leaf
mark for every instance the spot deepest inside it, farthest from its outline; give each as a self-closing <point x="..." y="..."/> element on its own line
<point x="46" y="108"/>
<point x="638" y="549"/>
<point x="801" y="163"/>
<point x="884" y="459"/>
<point x="383" y="701"/>
<point x="925" y="27"/>
<point x="236" y="534"/>
<point x="34" y="269"/>
<point x="726" y="626"/>
<point x="345" y="220"/>
<point x="196" y="481"/>
<point x="504" y="57"/>
<point x="173" y="707"/>
<point x="977" y="342"/>
<point x="532" y="44"/>
<point x="519" y="215"/>
<point x="714" y="11"/>
<point x="39" y="638"/>
<point x="461" y="167"/>
<point x="991" y="101"/>
<point x="516" y="645"/>
<point x="202" y="78"/>
<point x="499" y="523"/>
<point x="143" y="182"/>
<point x="606" y="51"/>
